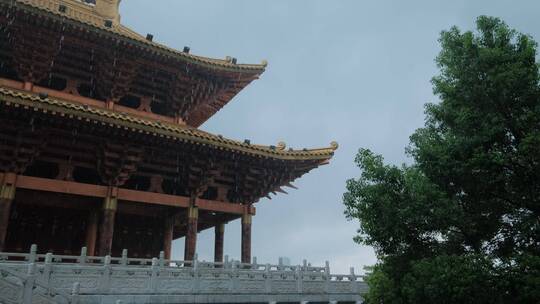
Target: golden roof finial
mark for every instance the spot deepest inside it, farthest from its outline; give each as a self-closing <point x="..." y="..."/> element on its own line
<point x="334" y="145"/>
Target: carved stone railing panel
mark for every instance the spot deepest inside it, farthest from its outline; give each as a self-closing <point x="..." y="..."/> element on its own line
<point x="11" y="289"/>
<point x="176" y="286"/>
<point x="284" y="286"/>
<point x="29" y="287"/>
<point x="64" y="282"/>
<point x="314" y="287"/>
<point x="252" y="286"/>
<point x="213" y="285"/>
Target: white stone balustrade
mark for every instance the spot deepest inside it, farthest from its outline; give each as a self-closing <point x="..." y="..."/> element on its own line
<point x="86" y="279"/>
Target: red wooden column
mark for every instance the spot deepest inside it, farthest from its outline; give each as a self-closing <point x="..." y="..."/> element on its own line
<point x="191" y="234"/>
<point x="91" y="233"/>
<point x="7" y="194"/>
<point x="218" y="243"/>
<point x="246" y="238"/>
<point x="168" y="236"/>
<point x="106" y="228"/>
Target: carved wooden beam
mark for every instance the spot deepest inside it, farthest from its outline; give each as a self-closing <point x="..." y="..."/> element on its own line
<point x="117" y="162"/>
<point x="88" y="190"/>
<point x="156" y="184"/>
<point x="33" y="51"/>
<point x="211" y="103"/>
<point x="19" y="147"/>
<point x="202" y="172"/>
<point x="188" y="93"/>
<point x="65" y="171"/>
<point x="116" y="70"/>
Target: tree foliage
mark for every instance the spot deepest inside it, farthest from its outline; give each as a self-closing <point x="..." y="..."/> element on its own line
<point x="461" y="224"/>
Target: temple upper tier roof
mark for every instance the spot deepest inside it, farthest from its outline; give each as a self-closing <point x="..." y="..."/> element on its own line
<point x="104" y="14"/>
<point x="84" y="43"/>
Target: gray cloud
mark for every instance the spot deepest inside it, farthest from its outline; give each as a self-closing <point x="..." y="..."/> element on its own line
<point x="353" y="71"/>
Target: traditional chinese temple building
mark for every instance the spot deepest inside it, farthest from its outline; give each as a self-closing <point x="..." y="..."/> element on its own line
<point x="100" y="143"/>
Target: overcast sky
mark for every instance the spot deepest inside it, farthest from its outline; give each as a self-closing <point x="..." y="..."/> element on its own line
<point x="354" y="71"/>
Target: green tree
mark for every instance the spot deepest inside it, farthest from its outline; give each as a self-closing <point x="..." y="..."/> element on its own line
<point x="470" y="201"/>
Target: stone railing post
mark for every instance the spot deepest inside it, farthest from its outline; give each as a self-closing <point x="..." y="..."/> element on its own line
<point x="327" y="276"/>
<point x="354" y="284"/>
<point x="234" y="276"/>
<point x="124" y="259"/>
<point x="83" y="257"/>
<point x="195" y="262"/>
<point x="226" y="262"/>
<point x="162" y="259"/>
<point x="327" y="268"/>
<point x="75" y="293"/>
<point x="106" y="275"/>
<point x="47" y="268"/>
<point x="299" y="279"/>
<point x="33" y="254"/>
<point x="29" y="284"/>
<point x="153" y="280"/>
<point x="254" y="263"/>
<point x="268" y="278"/>
<point x="195" y="273"/>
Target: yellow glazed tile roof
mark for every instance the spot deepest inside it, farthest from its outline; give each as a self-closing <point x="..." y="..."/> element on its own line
<point x="55" y="106"/>
<point x="87" y="14"/>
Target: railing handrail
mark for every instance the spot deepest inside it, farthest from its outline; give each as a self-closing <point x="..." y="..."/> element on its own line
<point x="90" y="260"/>
<point x="306" y="269"/>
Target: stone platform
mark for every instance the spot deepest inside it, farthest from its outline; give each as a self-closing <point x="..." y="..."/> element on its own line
<point x="33" y="278"/>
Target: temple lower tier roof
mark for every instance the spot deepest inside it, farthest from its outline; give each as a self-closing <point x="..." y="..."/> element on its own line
<point x="169" y="131"/>
<point x="125" y="147"/>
